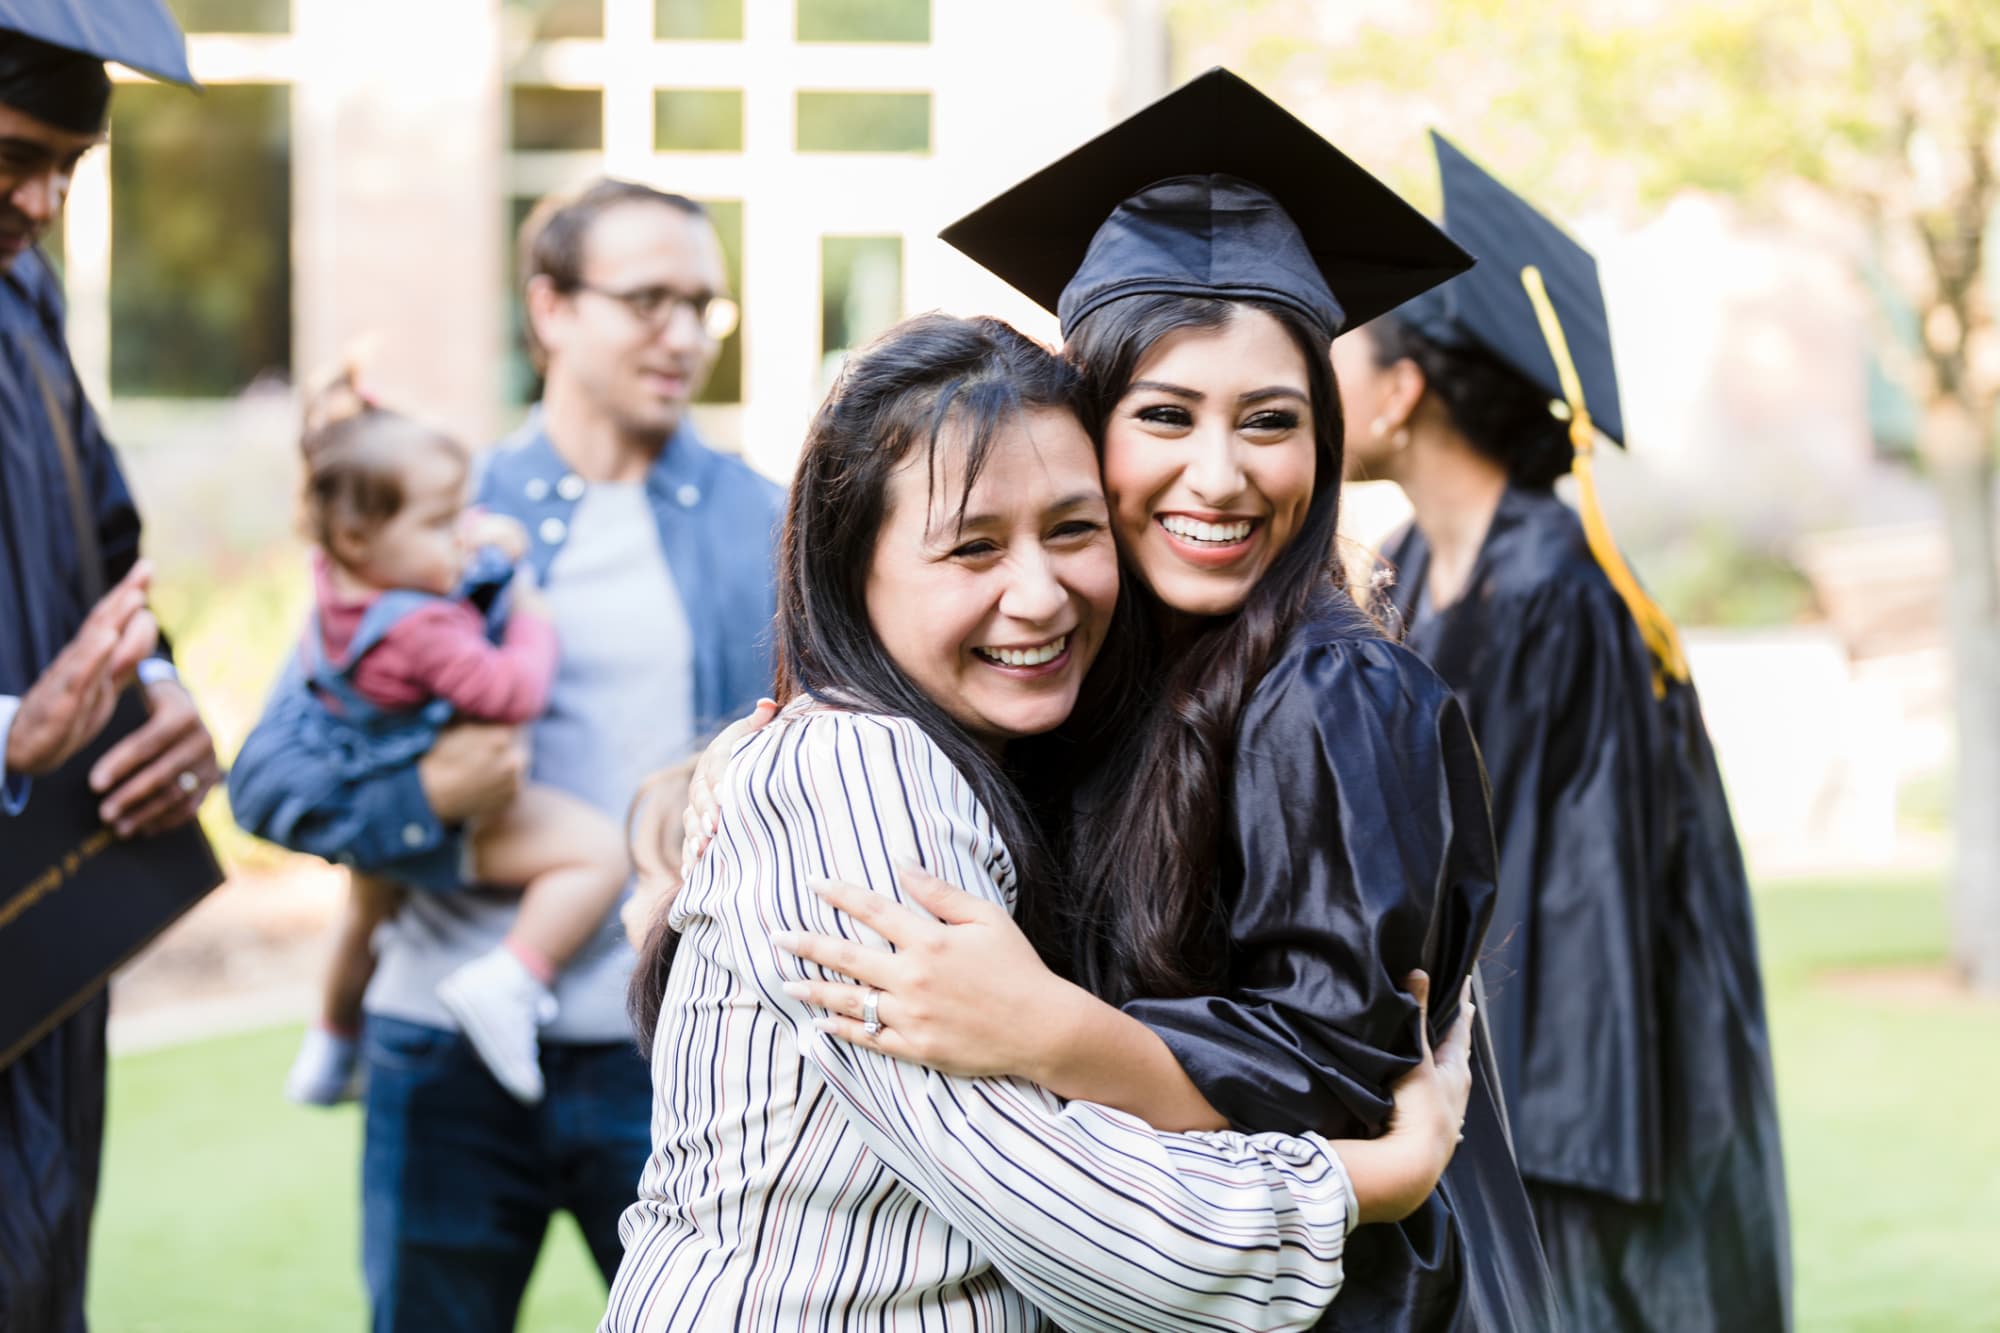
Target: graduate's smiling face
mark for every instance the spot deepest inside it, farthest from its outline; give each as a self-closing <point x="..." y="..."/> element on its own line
<point x="998" y="618"/>
<point x="1210" y="459"/>
<point x="36" y="162"/>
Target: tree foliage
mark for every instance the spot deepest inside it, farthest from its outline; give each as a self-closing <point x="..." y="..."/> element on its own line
<point x="1890" y="108"/>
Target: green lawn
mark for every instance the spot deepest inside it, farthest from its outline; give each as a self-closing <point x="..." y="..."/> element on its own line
<point x="1892" y="1141"/>
<point x="225" y="1208"/>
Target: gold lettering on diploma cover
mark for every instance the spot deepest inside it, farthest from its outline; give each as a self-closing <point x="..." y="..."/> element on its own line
<point x="53" y="878"/>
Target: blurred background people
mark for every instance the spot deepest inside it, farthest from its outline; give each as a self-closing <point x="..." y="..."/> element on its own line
<point x="1628" y="1011"/>
<point x="654" y="555"/>
<point x="68" y="532"/>
<point x="422" y="613"/>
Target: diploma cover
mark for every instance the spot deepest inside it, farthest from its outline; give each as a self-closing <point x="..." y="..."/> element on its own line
<point x="76" y="901"/>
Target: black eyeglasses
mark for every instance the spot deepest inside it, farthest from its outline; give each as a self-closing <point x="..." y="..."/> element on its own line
<point x="656" y="307"/>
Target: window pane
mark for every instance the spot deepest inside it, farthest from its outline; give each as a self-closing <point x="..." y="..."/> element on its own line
<point x="864" y="20"/>
<point x="698" y="120"/>
<point x="726" y="384"/>
<point x="860" y="293"/>
<point x="557" y="118"/>
<point x="548" y="20"/>
<point x="201" y="296"/>
<point x="864" y="122"/>
<point x="234" y="15"/>
<point x="699" y="20"/>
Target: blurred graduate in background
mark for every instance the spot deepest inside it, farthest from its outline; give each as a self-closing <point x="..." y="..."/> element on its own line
<point x="1627" y="1010"/>
<point x="74" y="631"/>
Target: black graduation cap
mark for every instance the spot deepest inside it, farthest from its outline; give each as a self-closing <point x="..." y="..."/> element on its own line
<point x="52" y="55"/>
<point x="1535" y="304"/>
<point x="1490" y="307"/>
<point x="141" y="34"/>
<point x="1214" y="190"/>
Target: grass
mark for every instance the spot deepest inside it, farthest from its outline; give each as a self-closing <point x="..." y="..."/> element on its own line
<point x="225" y="1208"/>
<point x="1891" y="1137"/>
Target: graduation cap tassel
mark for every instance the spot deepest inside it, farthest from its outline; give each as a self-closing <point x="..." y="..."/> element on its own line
<point x="1654" y="626"/>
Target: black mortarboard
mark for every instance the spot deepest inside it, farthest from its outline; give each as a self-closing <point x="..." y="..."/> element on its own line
<point x="52" y="55"/>
<point x="1214" y="190"/>
<point x="1490" y="307"/>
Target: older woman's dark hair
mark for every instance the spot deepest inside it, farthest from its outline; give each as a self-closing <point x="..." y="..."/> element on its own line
<point x="1145" y="854"/>
<point x="1499" y="412"/>
<point x="933" y="382"/>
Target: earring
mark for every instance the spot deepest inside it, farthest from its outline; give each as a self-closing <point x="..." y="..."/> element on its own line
<point x="1377" y="427"/>
<point x="1401" y="439"/>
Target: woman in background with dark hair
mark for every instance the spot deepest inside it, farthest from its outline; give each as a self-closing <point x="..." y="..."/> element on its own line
<point x="1630" y="1027"/>
<point x="946" y="580"/>
<point x="1287" y="813"/>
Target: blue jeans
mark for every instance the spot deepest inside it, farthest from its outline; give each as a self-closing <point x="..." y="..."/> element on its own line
<point x="459" y="1180"/>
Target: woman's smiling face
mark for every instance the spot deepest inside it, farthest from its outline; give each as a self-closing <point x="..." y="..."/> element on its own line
<point x="999" y="617"/>
<point x="1209" y="460"/>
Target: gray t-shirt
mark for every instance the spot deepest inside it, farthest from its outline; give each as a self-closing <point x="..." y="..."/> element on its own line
<point x="622" y="707"/>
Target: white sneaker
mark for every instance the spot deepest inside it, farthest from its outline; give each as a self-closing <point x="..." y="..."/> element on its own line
<point x="499" y="1006"/>
<point x="326" y="1071"/>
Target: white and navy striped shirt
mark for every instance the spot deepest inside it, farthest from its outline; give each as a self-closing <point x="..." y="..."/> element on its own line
<point x="798" y="1182"/>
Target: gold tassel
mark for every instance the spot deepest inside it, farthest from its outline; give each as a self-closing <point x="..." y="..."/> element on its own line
<point x="1655" y="628"/>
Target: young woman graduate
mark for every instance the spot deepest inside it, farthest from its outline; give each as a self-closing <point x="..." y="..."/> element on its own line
<point x="1626" y="1007"/>
<point x="946" y="522"/>
<point x="1286" y="813"/>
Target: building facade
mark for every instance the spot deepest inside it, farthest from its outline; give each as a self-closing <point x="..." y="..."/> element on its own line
<point x="354" y="171"/>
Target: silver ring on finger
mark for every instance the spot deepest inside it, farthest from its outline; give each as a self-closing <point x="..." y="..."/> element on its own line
<point x="871" y="1016"/>
<point x="188" y="782"/>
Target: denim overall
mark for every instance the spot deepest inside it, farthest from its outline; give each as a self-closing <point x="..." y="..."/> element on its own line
<point x="362" y="736"/>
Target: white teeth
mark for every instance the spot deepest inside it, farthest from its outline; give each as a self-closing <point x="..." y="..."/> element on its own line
<point x="1026" y="657"/>
<point x="1193" y="529"/>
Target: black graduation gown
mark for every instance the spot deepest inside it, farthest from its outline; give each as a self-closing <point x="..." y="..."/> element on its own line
<point x="52" y="1097"/>
<point x="1361" y="848"/>
<point x="1627" y="1008"/>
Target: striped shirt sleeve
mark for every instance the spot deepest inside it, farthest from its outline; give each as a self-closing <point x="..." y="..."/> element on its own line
<point x="1102" y="1222"/>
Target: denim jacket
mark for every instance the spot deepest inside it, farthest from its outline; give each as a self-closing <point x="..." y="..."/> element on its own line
<point x="717" y="522"/>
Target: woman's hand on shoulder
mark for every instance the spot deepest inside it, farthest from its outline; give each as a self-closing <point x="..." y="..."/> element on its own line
<point x="704" y="806"/>
<point x="677" y="803"/>
<point x="964" y="992"/>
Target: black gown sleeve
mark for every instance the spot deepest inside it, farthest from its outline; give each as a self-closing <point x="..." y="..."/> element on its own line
<point x="1362" y="849"/>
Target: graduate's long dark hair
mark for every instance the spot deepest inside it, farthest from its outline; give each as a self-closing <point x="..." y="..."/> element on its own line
<point x="1145" y="859"/>
<point x="931" y="383"/>
<point x="1493" y="406"/>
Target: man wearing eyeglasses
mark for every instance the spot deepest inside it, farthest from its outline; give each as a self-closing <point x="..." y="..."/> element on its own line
<point x="655" y="557"/>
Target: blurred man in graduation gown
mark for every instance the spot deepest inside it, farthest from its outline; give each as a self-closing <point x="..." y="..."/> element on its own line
<point x="61" y="661"/>
<point x="1627" y="1009"/>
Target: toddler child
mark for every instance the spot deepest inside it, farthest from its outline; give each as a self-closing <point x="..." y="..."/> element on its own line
<point x="393" y="651"/>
